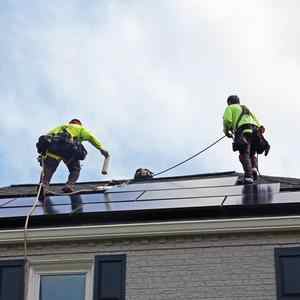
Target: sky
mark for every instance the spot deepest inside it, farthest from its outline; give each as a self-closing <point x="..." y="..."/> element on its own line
<point x="150" y="79"/>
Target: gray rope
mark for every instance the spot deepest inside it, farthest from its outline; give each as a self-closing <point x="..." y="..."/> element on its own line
<point x="190" y="158"/>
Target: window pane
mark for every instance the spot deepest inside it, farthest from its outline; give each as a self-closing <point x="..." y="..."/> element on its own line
<point x="291" y="275"/>
<point x="62" y="287"/>
<point x="111" y="281"/>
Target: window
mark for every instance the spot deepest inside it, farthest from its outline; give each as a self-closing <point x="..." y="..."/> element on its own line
<point x="288" y="273"/>
<point x="12" y="280"/>
<point x="60" y="280"/>
<point x="109" y="279"/>
<point x="73" y="279"/>
<point x="62" y="287"/>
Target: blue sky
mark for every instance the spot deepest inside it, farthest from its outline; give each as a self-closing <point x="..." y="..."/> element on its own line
<point x="150" y="79"/>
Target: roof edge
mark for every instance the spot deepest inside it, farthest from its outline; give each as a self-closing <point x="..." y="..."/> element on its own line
<point x="156" y="229"/>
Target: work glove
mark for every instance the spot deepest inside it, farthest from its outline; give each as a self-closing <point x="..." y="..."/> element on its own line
<point x="262" y="129"/>
<point x="40" y="160"/>
<point x="104" y="153"/>
<point x="267" y="149"/>
<point x="106" y="161"/>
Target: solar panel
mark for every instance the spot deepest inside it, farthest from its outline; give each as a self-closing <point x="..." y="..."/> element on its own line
<point x="175" y="197"/>
<point x="109" y="197"/>
<point x="288" y="197"/>
<point x="49" y="208"/>
<point x="200" y="192"/>
<point x="154" y="195"/>
<point x="67" y="200"/>
<point x="15" y="202"/>
<point x="152" y="185"/>
<point x="145" y="205"/>
<point x="262" y="194"/>
<point x="18" y="212"/>
<point x="62" y="204"/>
<point x="39" y="210"/>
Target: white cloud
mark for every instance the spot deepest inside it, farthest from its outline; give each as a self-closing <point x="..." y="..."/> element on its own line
<point x="149" y="80"/>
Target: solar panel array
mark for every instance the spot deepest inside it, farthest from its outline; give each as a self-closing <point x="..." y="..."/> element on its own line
<point x="153" y="195"/>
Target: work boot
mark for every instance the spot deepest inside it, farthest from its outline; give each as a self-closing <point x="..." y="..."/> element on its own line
<point x="248" y="180"/>
<point x="255" y="173"/>
<point x="68" y="188"/>
<point x="240" y="180"/>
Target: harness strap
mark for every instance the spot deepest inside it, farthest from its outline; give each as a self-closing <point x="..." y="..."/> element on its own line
<point x="245" y="111"/>
<point x="246" y="128"/>
<point x="240" y="117"/>
<point x="48" y="154"/>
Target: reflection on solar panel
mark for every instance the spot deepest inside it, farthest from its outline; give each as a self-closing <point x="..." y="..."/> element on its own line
<point x="63" y="200"/>
<point x="140" y="205"/>
<point x="18" y="212"/>
<point x="152" y="185"/>
<point x="265" y="198"/>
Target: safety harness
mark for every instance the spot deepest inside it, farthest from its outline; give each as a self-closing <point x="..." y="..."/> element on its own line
<point x="61" y="146"/>
<point x="240" y="143"/>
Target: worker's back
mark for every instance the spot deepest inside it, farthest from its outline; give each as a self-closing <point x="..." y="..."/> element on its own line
<point x="75" y="130"/>
<point x="64" y="143"/>
<point x="232" y="115"/>
<point x="79" y="132"/>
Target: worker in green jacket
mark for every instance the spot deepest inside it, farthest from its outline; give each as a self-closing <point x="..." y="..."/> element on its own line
<point x="65" y="145"/>
<point x="239" y="122"/>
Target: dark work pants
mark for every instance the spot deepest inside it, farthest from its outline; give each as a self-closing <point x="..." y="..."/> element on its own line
<point x="248" y="157"/>
<point x="51" y="164"/>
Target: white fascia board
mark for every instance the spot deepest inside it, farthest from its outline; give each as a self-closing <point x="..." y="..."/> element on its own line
<point x="155" y="229"/>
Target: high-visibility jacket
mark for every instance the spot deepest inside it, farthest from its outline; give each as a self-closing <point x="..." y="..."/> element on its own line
<point x="231" y="116"/>
<point x="78" y="132"/>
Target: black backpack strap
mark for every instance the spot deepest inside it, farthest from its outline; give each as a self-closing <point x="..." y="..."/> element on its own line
<point x="244" y="108"/>
<point x="245" y="111"/>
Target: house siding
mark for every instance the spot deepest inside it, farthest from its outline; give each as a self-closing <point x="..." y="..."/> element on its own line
<point x="210" y="267"/>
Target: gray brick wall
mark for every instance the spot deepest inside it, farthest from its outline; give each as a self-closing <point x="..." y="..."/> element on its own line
<point x="211" y="267"/>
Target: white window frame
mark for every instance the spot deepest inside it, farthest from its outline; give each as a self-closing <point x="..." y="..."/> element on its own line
<point x="59" y="267"/>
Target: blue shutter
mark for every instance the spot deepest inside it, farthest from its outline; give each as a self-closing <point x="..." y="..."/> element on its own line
<point x="288" y="273"/>
<point x="12" y="280"/>
<point x="110" y="277"/>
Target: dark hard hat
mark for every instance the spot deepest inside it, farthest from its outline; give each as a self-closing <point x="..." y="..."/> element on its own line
<point x="233" y="99"/>
<point x="75" y="121"/>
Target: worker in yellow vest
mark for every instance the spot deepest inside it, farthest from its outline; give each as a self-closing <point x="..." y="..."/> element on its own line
<point x="64" y="143"/>
<point x="240" y="122"/>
